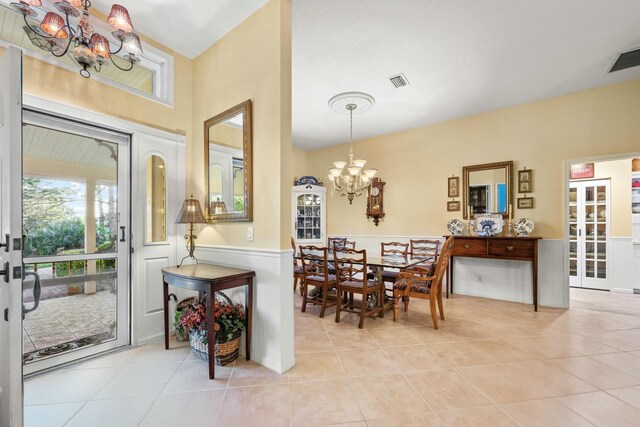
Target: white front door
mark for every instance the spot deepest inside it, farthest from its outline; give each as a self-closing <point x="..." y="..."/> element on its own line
<point x="11" y="238"/>
<point x="158" y="192"/>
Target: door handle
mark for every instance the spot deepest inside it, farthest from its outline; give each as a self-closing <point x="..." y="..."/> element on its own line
<point x="467" y="246"/>
<point x="510" y="248"/>
<point x="5" y="272"/>
<point x="37" y="290"/>
<point x="122" y="230"/>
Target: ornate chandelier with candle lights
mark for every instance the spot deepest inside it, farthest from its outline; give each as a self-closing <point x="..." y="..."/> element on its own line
<point x="350" y="179"/>
<point x="59" y="35"/>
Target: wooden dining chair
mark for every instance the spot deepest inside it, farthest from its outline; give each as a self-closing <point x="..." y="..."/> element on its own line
<point x="297" y="269"/>
<point x="316" y="274"/>
<point x="413" y="285"/>
<point x="428" y="251"/>
<point x="338" y="244"/>
<point x="389" y="249"/>
<point x="351" y="276"/>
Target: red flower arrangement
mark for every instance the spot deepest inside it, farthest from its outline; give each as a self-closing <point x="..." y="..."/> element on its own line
<point x="229" y="319"/>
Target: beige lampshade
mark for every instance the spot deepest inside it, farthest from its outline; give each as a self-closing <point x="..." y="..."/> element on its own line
<point x="191" y="212"/>
<point x="218" y="207"/>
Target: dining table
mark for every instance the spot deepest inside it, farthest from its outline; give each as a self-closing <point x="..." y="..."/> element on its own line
<point x="377" y="264"/>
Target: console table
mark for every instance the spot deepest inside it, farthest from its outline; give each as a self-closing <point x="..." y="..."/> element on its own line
<point x="511" y="248"/>
<point x="208" y="278"/>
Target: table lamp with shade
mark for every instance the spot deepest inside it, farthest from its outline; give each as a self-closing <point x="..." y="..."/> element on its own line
<point x="218" y="207"/>
<point x="191" y="213"/>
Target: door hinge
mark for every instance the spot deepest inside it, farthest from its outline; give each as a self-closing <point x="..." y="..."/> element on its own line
<point x="17" y="244"/>
<point x="17" y="272"/>
<point x="6" y="314"/>
<point x="132" y="250"/>
<point x="5" y="272"/>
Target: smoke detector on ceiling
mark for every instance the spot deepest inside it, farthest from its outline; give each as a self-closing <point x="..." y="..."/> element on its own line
<point x="626" y="60"/>
<point x="399" y="80"/>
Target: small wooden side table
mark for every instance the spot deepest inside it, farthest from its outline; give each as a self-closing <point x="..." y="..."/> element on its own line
<point x="208" y="278"/>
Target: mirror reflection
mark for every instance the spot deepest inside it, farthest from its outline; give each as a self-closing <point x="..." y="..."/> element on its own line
<point x="487" y="188"/>
<point x="227" y="136"/>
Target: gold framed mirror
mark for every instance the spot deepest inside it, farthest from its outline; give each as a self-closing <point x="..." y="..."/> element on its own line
<point x="228" y="166"/>
<point x="487" y="188"/>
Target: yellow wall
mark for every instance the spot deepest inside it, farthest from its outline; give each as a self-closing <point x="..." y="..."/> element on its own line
<point x="416" y="163"/>
<point x="250" y="62"/>
<point x="300" y="164"/>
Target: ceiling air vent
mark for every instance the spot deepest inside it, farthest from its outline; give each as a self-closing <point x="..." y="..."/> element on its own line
<point x="399" y="80"/>
<point x="627" y="60"/>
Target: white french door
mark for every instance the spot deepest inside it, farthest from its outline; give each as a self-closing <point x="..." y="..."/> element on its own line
<point x="10" y="238"/>
<point x="589" y="213"/>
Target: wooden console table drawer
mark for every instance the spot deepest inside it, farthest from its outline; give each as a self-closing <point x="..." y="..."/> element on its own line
<point x="512" y="248"/>
<point x="468" y="247"/>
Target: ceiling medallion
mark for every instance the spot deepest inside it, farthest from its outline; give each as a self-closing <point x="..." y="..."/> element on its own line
<point x="57" y="34"/>
<point x="350" y="178"/>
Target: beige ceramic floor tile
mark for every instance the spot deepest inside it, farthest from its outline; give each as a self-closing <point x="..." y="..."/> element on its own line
<point x="392" y="337"/>
<point x="446" y="390"/>
<point x="113" y="412"/>
<point x="248" y="373"/>
<point x="544" y="412"/>
<point x="321" y="403"/>
<point x="630" y="395"/>
<point x="556" y="380"/>
<point x="377" y="402"/>
<point x="312" y="343"/>
<point x="596" y="373"/>
<point x="194" y="376"/>
<point x="349" y="340"/>
<point x="406" y="420"/>
<point x="185" y="409"/>
<point x="371" y="361"/>
<point x="459" y="354"/>
<point x="627" y="340"/>
<point x="308" y="325"/>
<point x="55" y="415"/>
<point x="263" y="405"/>
<point x="428" y="335"/>
<point x="603" y="409"/>
<point x="411" y="358"/>
<point x="545" y="347"/>
<point x="484" y="416"/>
<point x="501" y="350"/>
<point x="623" y="361"/>
<point x="316" y="366"/>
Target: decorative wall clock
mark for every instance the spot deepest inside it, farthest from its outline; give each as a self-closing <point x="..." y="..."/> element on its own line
<point x="375" y="207"/>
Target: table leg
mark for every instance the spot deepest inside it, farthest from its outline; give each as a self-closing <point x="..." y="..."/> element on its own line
<point x="249" y="310"/>
<point x="165" y="292"/>
<point x="211" y="331"/>
<point x="535" y="276"/>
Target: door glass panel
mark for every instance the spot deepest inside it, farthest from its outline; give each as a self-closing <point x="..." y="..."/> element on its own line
<point x="156" y="200"/>
<point x="69" y="193"/>
<point x="589" y="250"/>
<point x="590" y="269"/>
<point x="602" y="251"/>
<point x="72" y="230"/>
<point x="573" y="267"/>
<point x="589" y="197"/>
<point x="602" y="270"/>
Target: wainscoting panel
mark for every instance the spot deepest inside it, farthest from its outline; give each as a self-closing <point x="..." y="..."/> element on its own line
<point x="272" y="331"/>
<point x="621" y="259"/>
<point x="499" y="279"/>
<point x="153" y="284"/>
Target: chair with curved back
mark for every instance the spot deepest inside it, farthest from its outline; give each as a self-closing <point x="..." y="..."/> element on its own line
<point x="316" y="274"/>
<point x="391" y="249"/>
<point x="351" y="276"/>
<point x="415" y="285"/>
<point x="428" y="251"/>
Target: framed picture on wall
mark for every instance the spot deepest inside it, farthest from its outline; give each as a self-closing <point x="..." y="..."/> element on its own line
<point x="453" y="206"/>
<point x="453" y="186"/>
<point x="525" y="181"/>
<point x="525" y="202"/>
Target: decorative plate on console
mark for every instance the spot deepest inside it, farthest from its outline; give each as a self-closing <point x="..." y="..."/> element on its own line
<point x="488" y="224"/>
<point x="455" y="227"/>
<point x="523" y="226"/>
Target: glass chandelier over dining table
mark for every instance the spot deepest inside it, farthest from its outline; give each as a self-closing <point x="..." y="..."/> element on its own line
<point x="350" y="178"/>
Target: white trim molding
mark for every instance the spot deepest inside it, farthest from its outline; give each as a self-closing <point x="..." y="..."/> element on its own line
<point x="272" y="343"/>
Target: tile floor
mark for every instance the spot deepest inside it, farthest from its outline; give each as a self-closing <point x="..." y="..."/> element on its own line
<point x="493" y="363"/>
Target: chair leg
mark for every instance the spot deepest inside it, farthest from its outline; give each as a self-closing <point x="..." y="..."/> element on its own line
<point x="295" y="283"/>
<point x="363" y="310"/>
<point x="325" y="294"/>
<point x="405" y="300"/>
<point x="338" y="305"/>
<point x="434" y="315"/>
<point x="440" y="306"/>
<point x="396" y="302"/>
<point x="303" y="289"/>
<point x="382" y="295"/>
